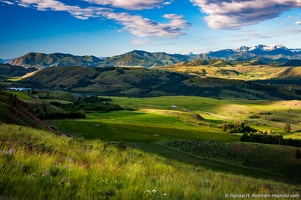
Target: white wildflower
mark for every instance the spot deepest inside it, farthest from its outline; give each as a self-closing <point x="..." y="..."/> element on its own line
<point x="11" y="151"/>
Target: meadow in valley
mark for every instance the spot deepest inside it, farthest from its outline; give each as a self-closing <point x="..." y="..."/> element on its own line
<point x="170" y="147"/>
<point x="150" y="100"/>
<point x="147" y="134"/>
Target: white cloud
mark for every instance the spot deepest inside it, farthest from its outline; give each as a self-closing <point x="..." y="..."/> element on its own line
<point x="139" y="42"/>
<point x="167" y="3"/>
<point x="298" y="23"/>
<point x="232" y="14"/>
<point x="76" y="11"/>
<point x="131" y="4"/>
<point x="143" y="27"/>
<point x="135" y="24"/>
<point x="7" y="2"/>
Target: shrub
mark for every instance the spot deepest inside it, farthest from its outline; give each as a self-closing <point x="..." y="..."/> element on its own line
<point x="287" y="128"/>
<point x="237" y="127"/>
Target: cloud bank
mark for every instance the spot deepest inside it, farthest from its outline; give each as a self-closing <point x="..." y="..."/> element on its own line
<point x="76" y="11"/>
<point x="135" y="24"/>
<point x="224" y="14"/>
<point x="232" y="14"/>
<point x="131" y="4"/>
<point x="143" y="27"/>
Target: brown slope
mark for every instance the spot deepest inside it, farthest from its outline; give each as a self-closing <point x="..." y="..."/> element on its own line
<point x="14" y="111"/>
<point x="292" y="72"/>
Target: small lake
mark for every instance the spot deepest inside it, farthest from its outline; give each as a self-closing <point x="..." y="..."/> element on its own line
<point x="18" y="88"/>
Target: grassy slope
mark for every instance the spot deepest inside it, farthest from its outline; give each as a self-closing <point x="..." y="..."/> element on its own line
<point x="246" y="155"/>
<point x="13" y="71"/>
<point x="242" y="72"/>
<point x="39" y="165"/>
<point x="137" y="127"/>
<point x="272" y="115"/>
<point x="13" y="111"/>
<point x="21" y="95"/>
<point x="139" y="82"/>
<point x="156" y="121"/>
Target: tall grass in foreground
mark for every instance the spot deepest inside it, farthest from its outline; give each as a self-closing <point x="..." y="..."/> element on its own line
<point x="39" y="165"/>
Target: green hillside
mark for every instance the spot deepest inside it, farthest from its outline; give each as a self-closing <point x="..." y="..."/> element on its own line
<point x="141" y="82"/>
<point x="294" y="62"/>
<point x="40" y="165"/>
<point x="12" y="71"/>
<point x="133" y="58"/>
<point x="41" y="60"/>
<point x="145" y="59"/>
<point x="127" y="154"/>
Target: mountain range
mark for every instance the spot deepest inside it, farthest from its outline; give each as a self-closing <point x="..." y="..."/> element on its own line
<point x="262" y="53"/>
<point x="5" y="61"/>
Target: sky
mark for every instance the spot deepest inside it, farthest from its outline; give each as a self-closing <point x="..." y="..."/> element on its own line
<point x="112" y="27"/>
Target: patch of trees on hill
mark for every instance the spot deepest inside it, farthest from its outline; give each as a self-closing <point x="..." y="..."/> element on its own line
<point x="42" y="111"/>
<point x="173" y="85"/>
<point x="270" y="139"/>
<point x="237" y="127"/>
<point x="74" y="110"/>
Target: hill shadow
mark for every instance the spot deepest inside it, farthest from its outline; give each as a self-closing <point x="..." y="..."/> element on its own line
<point x="210" y="164"/>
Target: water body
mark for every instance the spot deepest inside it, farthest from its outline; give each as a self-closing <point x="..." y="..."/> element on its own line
<point x="18" y="88"/>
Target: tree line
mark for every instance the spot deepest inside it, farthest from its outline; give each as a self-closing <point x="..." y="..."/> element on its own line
<point x="270" y="139"/>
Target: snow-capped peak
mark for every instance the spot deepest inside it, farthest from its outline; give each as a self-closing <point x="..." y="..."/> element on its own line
<point x="257" y="47"/>
<point x="242" y="49"/>
<point x="261" y="47"/>
<point x="273" y="47"/>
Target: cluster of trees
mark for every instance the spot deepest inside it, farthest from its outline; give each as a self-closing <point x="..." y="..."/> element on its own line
<point x="99" y="107"/>
<point x="269" y="89"/>
<point x="237" y="127"/>
<point x="62" y="115"/>
<point x="270" y="139"/>
<point x="42" y="111"/>
<point x="92" y="103"/>
<point x="172" y="85"/>
<point x="74" y="110"/>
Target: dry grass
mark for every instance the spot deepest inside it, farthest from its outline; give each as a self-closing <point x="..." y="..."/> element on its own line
<point x="244" y="72"/>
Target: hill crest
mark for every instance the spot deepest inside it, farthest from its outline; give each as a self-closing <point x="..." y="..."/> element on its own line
<point x="264" y="53"/>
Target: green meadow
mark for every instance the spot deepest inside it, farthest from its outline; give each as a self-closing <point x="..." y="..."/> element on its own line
<point x="138" y="126"/>
<point x="39" y="165"/>
<point x="21" y="95"/>
<point x="265" y="115"/>
<point x="142" y="153"/>
<point x="155" y="121"/>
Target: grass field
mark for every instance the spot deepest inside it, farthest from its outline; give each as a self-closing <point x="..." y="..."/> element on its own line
<point x="21" y="95"/>
<point x="241" y="72"/>
<point x="39" y="165"/>
<point x="264" y="115"/>
<point x="122" y="154"/>
<point x="138" y="126"/>
<point x="246" y="155"/>
<point x="195" y="118"/>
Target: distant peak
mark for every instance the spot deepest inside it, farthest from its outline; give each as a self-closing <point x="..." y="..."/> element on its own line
<point x="242" y="49"/>
<point x="137" y="51"/>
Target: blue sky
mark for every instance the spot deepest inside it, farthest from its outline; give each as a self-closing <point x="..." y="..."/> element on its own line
<point x="112" y="27"/>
